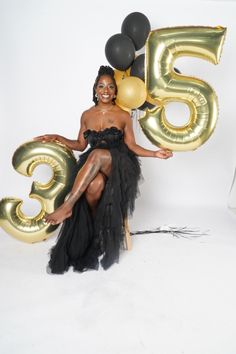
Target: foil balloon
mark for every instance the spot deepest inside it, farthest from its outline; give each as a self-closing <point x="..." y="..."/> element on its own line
<point x="50" y="195"/>
<point x="131" y="93"/>
<point x="165" y="85"/>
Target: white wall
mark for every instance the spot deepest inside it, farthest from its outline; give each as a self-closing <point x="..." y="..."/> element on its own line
<point x="50" y="54"/>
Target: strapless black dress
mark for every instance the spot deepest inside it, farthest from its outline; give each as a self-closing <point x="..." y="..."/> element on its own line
<point x="84" y="240"/>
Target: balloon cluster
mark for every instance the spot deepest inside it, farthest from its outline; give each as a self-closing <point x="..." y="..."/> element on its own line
<point x="120" y="51"/>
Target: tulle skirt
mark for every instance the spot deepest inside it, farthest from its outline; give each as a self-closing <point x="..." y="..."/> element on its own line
<point x="85" y="241"/>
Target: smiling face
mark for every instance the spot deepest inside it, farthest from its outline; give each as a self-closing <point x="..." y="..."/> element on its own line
<point x="106" y="89"/>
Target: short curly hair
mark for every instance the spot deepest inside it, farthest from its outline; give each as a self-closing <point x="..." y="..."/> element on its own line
<point x="103" y="70"/>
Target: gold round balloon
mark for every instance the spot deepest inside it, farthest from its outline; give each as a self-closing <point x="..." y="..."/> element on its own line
<point x="164" y="85"/>
<point x="121" y="75"/>
<point x="50" y="195"/>
<point x="124" y="108"/>
<point x="131" y="92"/>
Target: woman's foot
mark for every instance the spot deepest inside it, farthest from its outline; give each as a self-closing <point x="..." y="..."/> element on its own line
<point x="59" y="215"/>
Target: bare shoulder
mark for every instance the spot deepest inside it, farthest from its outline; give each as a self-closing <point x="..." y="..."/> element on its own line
<point x="125" y="116"/>
<point x="88" y="111"/>
<point x="87" y="114"/>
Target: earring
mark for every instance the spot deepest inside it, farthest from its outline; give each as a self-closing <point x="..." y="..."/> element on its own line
<point x="96" y="95"/>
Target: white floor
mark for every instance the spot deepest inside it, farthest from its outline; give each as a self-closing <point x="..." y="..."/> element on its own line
<point x="166" y="296"/>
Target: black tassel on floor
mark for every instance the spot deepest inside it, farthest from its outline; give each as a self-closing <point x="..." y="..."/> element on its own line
<point x="183" y="231"/>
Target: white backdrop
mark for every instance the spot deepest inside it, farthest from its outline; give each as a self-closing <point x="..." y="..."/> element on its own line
<point x="50" y="54"/>
<point x="168" y="295"/>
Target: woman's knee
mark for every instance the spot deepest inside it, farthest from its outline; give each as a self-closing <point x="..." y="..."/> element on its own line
<point x="96" y="186"/>
<point x="94" y="156"/>
<point x="98" y="155"/>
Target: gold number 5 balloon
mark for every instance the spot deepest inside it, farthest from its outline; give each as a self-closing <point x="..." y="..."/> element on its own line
<point x="50" y="195"/>
<point x="164" y="85"/>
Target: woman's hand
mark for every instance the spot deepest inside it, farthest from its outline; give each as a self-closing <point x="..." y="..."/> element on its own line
<point x="163" y="154"/>
<point x="49" y="138"/>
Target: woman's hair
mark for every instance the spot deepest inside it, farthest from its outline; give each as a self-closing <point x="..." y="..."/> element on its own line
<point x="104" y="70"/>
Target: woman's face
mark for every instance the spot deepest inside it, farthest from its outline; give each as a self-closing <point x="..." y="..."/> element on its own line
<point x="105" y="89"/>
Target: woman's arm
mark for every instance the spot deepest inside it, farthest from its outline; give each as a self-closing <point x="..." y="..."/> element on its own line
<point x="129" y="139"/>
<point x="80" y="144"/>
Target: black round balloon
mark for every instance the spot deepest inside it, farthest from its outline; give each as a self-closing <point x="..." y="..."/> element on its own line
<point x="136" y="26"/>
<point x="120" y="51"/>
<point x="145" y="105"/>
<point x="137" y="68"/>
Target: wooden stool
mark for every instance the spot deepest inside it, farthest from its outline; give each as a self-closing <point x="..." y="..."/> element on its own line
<point x="127" y="240"/>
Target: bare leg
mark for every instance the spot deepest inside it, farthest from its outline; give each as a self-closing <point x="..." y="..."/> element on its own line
<point x="98" y="160"/>
<point x="94" y="191"/>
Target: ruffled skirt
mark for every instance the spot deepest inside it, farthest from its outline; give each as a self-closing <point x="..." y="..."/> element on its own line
<point x="83" y="239"/>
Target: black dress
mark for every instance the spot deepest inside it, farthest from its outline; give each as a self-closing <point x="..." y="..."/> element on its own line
<point x="84" y="240"/>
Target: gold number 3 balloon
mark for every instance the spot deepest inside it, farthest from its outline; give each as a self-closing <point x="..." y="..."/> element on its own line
<point x="50" y="195"/>
<point x="164" y="85"/>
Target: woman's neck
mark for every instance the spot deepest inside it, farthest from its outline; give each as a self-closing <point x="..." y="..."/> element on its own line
<point x="103" y="108"/>
<point x="102" y="105"/>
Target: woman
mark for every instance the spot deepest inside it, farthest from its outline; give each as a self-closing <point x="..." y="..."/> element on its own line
<point x="105" y="185"/>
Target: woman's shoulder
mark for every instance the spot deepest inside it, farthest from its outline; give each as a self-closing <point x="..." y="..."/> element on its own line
<point x="88" y="111"/>
<point x="121" y="111"/>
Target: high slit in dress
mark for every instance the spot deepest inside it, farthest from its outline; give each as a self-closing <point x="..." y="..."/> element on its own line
<point x="85" y="240"/>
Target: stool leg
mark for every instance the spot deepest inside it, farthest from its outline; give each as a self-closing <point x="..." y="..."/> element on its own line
<point x="127" y="240"/>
